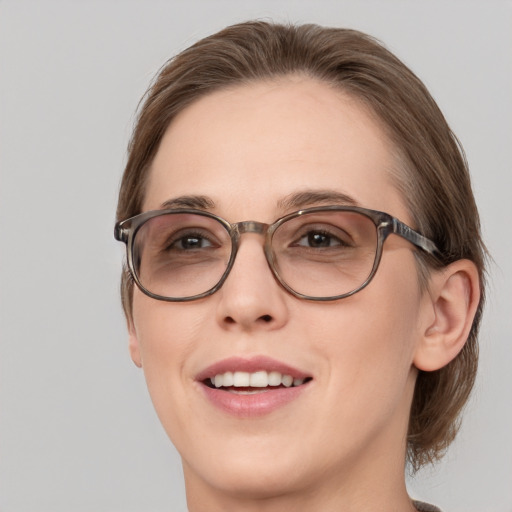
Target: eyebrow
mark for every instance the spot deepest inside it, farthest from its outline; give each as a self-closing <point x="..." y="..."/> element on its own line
<point x="299" y="200"/>
<point x="196" y="202"/>
<point x="294" y="201"/>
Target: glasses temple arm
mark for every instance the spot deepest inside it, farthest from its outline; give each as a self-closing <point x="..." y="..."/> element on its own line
<point x="121" y="233"/>
<point x="415" y="238"/>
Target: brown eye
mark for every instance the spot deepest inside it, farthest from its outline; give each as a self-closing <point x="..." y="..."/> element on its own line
<point x="190" y="242"/>
<point x="318" y="239"/>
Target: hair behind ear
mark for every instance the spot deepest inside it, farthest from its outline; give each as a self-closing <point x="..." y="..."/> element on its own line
<point x="446" y="355"/>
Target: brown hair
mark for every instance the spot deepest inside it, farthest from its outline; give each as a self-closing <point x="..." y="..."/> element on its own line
<point x="433" y="175"/>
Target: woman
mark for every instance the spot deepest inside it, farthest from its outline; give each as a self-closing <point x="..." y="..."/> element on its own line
<point x="305" y="269"/>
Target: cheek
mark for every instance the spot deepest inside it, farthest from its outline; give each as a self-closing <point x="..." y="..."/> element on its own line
<point x="367" y="342"/>
<point x="156" y="334"/>
<point x="165" y="331"/>
<point x="167" y="334"/>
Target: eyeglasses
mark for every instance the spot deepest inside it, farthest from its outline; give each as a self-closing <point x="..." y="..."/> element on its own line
<point x="322" y="253"/>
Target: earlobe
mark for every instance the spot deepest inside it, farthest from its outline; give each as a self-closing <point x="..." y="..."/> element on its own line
<point x="134" y="344"/>
<point x="453" y="297"/>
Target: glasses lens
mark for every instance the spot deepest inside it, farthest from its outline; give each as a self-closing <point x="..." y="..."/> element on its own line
<point x="325" y="254"/>
<point x="181" y="255"/>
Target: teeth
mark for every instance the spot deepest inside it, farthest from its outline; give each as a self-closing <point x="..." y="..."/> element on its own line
<point x="240" y="379"/>
<point x="227" y="379"/>
<point x="260" y="379"/>
<point x="287" y="380"/>
<point x="274" y="379"/>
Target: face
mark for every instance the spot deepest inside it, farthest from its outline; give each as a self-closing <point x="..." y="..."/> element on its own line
<point x="248" y="149"/>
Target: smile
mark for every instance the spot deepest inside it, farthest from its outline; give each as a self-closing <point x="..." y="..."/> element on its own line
<point x="252" y="387"/>
<point x="260" y="379"/>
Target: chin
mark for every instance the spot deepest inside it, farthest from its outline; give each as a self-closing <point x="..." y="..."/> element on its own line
<point x="264" y="463"/>
<point x="250" y="477"/>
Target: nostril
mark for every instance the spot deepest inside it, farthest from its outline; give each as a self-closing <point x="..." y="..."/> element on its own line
<point x="263" y="319"/>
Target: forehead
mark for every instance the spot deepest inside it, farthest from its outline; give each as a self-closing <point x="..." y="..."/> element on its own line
<point x="250" y="146"/>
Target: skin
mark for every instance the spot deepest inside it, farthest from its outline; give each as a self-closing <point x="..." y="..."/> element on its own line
<point x="341" y="444"/>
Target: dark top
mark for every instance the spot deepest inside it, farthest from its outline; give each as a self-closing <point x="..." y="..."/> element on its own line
<point x="425" y="507"/>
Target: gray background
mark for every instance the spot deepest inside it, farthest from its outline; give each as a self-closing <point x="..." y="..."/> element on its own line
<point x="77" y="430"/>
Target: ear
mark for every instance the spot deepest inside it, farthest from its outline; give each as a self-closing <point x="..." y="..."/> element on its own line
<point x="453" y="297"/>
<point x="133" y="345"/>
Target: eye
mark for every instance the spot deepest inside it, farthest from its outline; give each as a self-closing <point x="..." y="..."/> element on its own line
<point x="318" y="239"/>
<point x="190" y="241"/>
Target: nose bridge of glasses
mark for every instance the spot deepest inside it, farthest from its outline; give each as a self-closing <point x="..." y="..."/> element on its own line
<point x="251" y="226"/>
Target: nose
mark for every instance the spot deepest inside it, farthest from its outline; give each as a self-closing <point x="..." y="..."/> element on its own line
<point x="250" y="298"/>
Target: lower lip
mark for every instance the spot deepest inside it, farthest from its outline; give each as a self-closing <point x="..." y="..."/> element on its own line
<point x="254" y="404"/>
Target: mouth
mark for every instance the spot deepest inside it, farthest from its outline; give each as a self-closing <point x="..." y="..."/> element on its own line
<point x="246" y="383"/>
<point x="252" y="387"/>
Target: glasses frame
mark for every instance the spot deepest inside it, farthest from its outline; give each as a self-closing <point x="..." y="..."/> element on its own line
<point x="126" y="230"/>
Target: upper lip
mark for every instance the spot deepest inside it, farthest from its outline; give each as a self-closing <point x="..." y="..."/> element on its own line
<point x="250" y="365"/>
